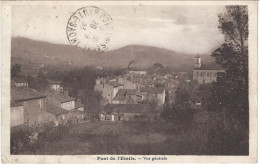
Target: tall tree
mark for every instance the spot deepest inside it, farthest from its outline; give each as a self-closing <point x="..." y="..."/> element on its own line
<point x="233" y="54"/>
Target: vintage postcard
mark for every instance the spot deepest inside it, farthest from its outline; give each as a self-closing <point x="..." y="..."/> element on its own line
<point x="129" y="82"/>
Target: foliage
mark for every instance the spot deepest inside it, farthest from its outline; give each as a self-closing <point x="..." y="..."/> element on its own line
<point x="228" y="97"/>
<point x="15" y="69"/>
<point x="19" y="138"/>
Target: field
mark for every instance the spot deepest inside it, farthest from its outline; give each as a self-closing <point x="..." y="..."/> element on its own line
<point x="135" y="137"/>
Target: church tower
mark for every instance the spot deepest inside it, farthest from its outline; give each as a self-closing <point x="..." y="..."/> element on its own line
<point x="198" y="61"/>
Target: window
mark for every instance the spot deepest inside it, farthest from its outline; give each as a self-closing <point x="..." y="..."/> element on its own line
<point x="201" y="74"/>
<point x="208" y="74"/>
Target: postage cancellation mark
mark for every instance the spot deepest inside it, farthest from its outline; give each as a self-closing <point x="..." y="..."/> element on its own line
<point x="90" y="28"/>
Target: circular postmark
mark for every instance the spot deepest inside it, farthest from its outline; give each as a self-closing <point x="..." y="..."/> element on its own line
<point x="90" y="28"/>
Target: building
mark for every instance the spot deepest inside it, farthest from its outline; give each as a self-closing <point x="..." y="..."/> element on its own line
<point x="17" y="114"/>
<point x="20" y="82"/>
<point x="31" y="103"/>
<point x="154" y="93"/>
<point x="108" y="89"/>
<point x="125" y="96"/>
<point x="205" y="74"/>
<point x="126" y="112"/>
<point x="138" y="72"/>
<point x="62" y="100"/>
<point x="56" y="85"/>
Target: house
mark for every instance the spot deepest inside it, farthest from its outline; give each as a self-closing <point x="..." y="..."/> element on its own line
<point x="127" y="112"/>
<point x="56" y="85"/>
<point x="17" y="114"/>
<point x="154" y="93"/>
<point x="62" y="100"/>
<point x="33" y="104"/>
<point x="125" y="96"/>
<point x="20" y="82"/>
<point x="108" y="89"/>
<point x="61" y="115"/>
<point x="205" y="74"/>
<point x="77" y="116"/>
<point x="138" y="72"/>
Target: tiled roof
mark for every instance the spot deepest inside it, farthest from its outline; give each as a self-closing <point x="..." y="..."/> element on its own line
<point x="23" y="94"/>
<point x="51" y="108"/>
<point x="127" y="108"/>
<point x="60" y="97"/>
<point x="153" y="90"/>
<point x="127" y="92"/>
<point x="113" y="83"/>
<point x="51" y="82"/>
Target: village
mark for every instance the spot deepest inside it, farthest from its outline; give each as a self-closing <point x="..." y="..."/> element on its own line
<point x="135" y="95"/>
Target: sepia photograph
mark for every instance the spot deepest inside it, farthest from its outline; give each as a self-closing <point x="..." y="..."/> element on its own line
<point x="129" y="82"/>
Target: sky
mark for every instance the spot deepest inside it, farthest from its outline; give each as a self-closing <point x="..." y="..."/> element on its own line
<point x="185" y="29"/>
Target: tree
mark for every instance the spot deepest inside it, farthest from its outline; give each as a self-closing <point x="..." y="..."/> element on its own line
<point x="15" y="69"/>
<point x="19" y="137"/>
<point x="233" y="56"/>
<point x="228" y="97"/>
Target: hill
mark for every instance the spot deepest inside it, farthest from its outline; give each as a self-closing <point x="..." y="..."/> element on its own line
<point x="39" y="52"/>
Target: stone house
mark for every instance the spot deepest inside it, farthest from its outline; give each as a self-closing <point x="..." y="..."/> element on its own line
<point x="154" y="93"/>
<point x="20" y="82"/>
<point x="56" y="85"/>
<point x="108" y="89"/>
<point x="33" y="104"/>
<point x="125" y="96"/>
<point x="205" y="74"/>
<point x="127" y="112"/>
<point x="62" y="100"/>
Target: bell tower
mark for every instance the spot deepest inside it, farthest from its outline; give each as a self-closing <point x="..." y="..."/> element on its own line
<point x="198" y="61"/>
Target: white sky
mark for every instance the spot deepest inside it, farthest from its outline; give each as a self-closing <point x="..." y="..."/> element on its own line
<point x="186" y="29"/>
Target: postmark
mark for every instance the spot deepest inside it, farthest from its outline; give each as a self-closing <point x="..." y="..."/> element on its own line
<point x="90" y="28"/>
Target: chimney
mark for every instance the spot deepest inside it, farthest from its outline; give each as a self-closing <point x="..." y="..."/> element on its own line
<point x="66" y="93"/>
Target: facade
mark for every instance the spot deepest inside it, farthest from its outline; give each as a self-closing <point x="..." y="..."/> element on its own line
<point x="62" y="100"/>
<point x="125" y="112"/>
<point x="138" y="72"/>
<point x="108" y="89"/>
<point x="20" y="82"/>
<point x="205" y="74"/>
<point x="17" y="114"/>
<point x="125" y="96"/>
<point x="56" y="85"/>
<point x="34" y="105"/>
<point x="157" y="93"/>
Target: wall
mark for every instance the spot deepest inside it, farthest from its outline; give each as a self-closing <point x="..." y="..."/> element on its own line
<point x="205" y="76"/>
<point x="68" y="105"/>
<point x="34" y="111"/>
<point x="17" y="115"/>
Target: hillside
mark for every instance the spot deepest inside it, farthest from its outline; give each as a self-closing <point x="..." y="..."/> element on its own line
<point x="38" y="52"/>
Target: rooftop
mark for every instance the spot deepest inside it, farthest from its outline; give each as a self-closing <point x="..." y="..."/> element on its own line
<point x="55" y="109"/>
<point x="153" y="90"/>
<point x="127" y="92"/>
<point x="52" y="82"/>
<point x="23" y="94"/>
<point x="114" y="83"/>
<point x="60" y="97"/>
